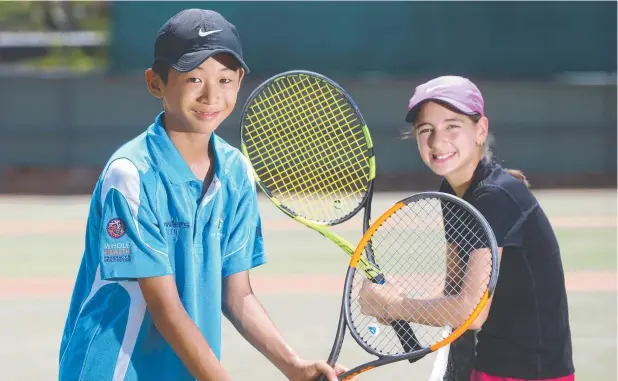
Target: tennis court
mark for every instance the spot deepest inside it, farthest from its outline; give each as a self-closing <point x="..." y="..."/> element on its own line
<point x="41" y="242"/>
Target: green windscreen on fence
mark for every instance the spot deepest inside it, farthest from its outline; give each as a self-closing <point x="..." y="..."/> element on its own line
<point x="489" y="39"/>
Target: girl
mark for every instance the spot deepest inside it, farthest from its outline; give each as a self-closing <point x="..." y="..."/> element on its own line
<point x="524" y="328"/>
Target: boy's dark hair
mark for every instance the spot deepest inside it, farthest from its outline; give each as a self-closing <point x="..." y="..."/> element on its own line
<point x="161" y="69"/>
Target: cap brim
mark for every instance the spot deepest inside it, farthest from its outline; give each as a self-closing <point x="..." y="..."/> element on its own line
<point x="190" y="61"/>
<point x="413" y="112"/>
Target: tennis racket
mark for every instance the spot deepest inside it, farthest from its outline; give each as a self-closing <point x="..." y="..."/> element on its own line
<point x="312" y="155"/>
<point x="439" y="257"/>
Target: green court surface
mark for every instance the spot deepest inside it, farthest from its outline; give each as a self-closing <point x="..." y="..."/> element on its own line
<point x="41" y="243"/>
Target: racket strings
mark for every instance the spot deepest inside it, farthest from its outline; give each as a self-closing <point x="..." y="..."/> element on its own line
<point x="325" y="138"/>
<point x="431" y="250"/>
<point x="469" y="234"/>
<point x="311" y="159"/>
<point x="343" y="148"/>
<point x="307" y="146"/>
<point x="294" y="101"/>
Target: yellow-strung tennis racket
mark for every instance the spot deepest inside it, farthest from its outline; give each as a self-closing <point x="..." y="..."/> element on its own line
<point x="312" y="155"/>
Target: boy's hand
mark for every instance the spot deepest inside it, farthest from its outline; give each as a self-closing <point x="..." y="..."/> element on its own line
<point x="307" y="370"/>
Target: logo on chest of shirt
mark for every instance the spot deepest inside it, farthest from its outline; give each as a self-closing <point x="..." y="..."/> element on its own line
<point x="175" y="228"/>
<point x="217" y="228"/>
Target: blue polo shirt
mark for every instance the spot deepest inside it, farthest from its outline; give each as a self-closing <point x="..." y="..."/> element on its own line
<point x="148" y="218"/>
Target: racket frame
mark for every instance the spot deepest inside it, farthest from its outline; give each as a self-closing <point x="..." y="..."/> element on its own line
<point x="457" y="332"/>
<point x="370" y="270"/>
<point x="322" y="227"/>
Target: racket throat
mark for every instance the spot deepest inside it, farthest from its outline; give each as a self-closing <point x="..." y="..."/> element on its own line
<point x="340" y="336"/>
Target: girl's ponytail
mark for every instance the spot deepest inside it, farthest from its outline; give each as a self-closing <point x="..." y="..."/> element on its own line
<point x="516" y="173"/>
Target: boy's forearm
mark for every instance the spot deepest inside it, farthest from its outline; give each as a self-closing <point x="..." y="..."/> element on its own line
<point x="179" y="331"/>
<point x="189" y="344"/>
<point x="252" y="321"/>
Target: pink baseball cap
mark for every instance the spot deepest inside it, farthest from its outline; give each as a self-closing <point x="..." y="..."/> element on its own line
<point x="456" y="91"/>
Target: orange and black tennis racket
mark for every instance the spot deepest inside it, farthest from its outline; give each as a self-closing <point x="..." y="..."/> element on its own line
<point x="439" y="259"/>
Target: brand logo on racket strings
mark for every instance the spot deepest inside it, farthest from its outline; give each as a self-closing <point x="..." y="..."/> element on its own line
<point x="337" y="204"/>
<point x="373" y="329"/>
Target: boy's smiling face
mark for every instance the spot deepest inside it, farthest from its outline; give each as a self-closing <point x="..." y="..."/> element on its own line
<point x="199" y="100"/>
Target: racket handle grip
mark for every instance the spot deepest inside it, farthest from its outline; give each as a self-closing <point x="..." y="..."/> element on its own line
<point x="406" y="336"/>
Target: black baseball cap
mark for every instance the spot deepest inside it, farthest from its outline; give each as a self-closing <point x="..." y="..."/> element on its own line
<point x="192" y="36"/>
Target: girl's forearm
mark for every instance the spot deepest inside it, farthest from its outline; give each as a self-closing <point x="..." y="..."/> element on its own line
<point x="436" y="312"/>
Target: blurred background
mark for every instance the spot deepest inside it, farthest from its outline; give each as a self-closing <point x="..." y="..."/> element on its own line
<point x="72" y="91"/>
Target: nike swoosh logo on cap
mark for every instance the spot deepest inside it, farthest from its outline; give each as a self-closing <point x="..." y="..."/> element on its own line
<point x="202" y="33"/>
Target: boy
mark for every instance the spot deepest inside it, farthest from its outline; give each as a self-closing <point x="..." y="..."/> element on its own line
<point x="173" y="229"/>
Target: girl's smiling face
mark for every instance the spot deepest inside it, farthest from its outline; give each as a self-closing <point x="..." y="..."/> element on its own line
<point x="449" y="142"/>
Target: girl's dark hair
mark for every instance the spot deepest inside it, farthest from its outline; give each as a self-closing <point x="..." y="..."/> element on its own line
<point x="161" y="69"/>
<point x="487" y="153"/>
